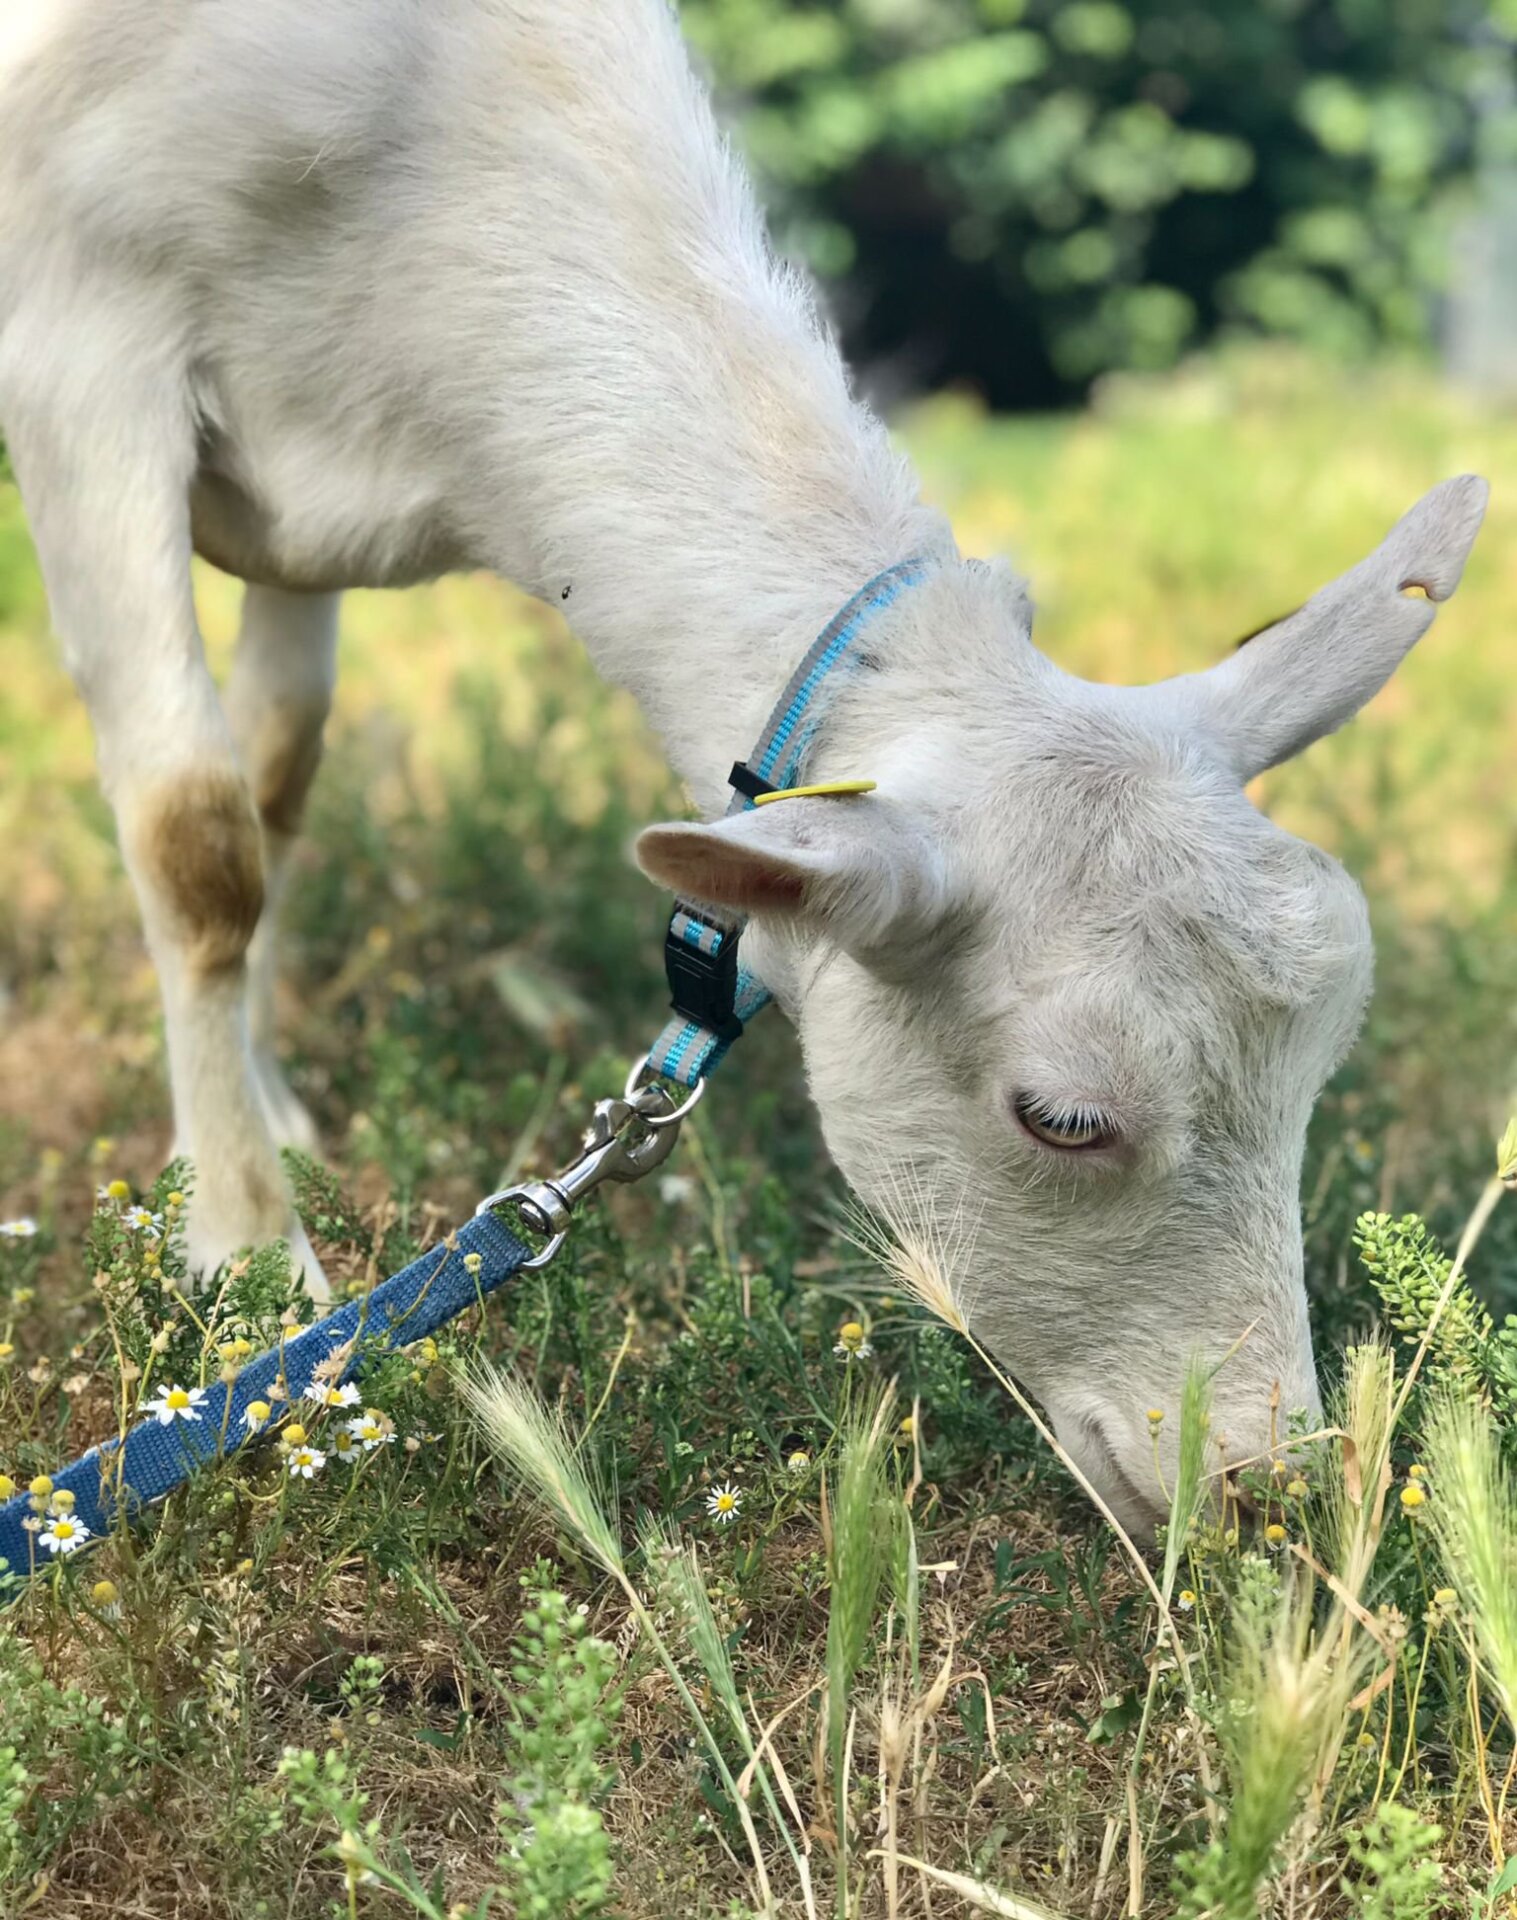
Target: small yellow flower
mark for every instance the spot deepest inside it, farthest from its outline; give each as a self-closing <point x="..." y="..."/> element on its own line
<point x="1297" y="1489"/>
<point x="174" y="1199"/>
<point x="63" y="1501"/>
<point x="1156" y="1418"/>
<point x="1413" y="1497"/>
<point x="244" y="1567"/>
<point x="257" y="1412"/>
<point x="908" y="1427"/>
<point x="1187" y="1599"/>
<point x="41" y="1488"/>
<point x="6" y="1349"/>
<point x="473" y="1262"/>
<point x="1446" y="1597"/>
<point x="427" y="1351"/>
<point x="117" y="1190"/>
<point x="103" y="1148"/>
<point x="294" y="1435"/>
<point x="1416" y="1472"/>
<point x="7" y="1487"/>
<point x="104" y="1593"/>
<point x="799" y="1460"/>
<point x="1366" y="1743"/>
<point x="1275" y="1535"/>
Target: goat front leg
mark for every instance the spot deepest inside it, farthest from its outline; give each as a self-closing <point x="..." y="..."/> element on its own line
<point x="105" y="481"/>
<point x="277" y="701"/>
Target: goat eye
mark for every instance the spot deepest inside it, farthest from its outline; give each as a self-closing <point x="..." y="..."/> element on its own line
<point x="1075" y="1129"/>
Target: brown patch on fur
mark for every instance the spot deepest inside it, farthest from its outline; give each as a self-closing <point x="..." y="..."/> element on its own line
<point x="289" y="752"/>
<point x="201" y="850"/>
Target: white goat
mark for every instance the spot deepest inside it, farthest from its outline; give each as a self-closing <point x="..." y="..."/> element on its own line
<point x="361" y="292"/>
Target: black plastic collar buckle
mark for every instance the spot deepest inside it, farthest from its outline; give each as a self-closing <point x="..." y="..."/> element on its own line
<point x="748" y="783"/>
<point x="702" y="985"/>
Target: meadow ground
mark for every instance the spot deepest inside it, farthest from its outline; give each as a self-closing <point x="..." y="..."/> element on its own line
<point x="472" y="961"/>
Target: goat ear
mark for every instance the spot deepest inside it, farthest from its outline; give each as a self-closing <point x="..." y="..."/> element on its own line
<point x="863" y="870"/>
<point x="1306" y="675"/>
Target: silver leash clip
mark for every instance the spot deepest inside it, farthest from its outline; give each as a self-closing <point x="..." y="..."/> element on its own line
<point x="627" y="1138"/>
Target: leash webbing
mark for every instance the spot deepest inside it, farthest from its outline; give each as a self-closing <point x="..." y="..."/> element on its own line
<point x="122" y="1477"/>
<point x="691" y="1044"/>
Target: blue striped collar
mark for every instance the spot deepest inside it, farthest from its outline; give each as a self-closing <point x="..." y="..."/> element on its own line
<point x="714" y="995"/>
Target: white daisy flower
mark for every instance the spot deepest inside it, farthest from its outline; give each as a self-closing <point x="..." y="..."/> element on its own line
<point x="371" y="1429"/>
<point x="181" y="1403"/>
<point x="326" y="1395"/>
<point x="852" y="1343"/>
<point x="306" y="1463"/>
<point x="63" y="1534"/>
<point x="21" y="1229"/>
<point x="256" y="1413"/>
<point x="345" y="1446"/>
<point x="723" y="1502"/>
<point x="141" y="1221"/>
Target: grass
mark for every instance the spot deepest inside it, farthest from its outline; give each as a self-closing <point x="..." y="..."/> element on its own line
<point x="506" y="1660"/>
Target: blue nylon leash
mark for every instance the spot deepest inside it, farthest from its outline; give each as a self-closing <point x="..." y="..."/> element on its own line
<point x="626" y="1140"/>
<point x="701" y="951"/>
<point x="122" y="1477"/>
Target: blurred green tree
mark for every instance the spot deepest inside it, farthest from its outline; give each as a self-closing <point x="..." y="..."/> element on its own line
<point x="1027" y="193"/>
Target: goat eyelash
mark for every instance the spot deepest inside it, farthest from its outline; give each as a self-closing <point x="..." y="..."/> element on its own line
<point x="1068" y="1129"/>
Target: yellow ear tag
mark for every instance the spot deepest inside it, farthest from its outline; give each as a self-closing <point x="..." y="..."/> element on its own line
<point x="828" y="790"/>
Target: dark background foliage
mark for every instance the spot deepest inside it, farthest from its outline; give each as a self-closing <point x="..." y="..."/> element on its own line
<point x="1024" y="194"/>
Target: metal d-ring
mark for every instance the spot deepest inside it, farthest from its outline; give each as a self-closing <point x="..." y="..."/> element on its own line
<point x="541" y="1209"/>
<point x="657" y="1121"/>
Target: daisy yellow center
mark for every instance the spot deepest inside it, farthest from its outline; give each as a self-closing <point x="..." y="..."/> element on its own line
<point x="725" y="1502"/>
<point x="176" y="1398"/>
<point x="302" y="1459"/>
<point x="63" y="1529"/>
<point x="371" y="1429"/>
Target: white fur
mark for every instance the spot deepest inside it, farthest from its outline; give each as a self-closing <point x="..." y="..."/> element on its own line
<point x="361" y="292"/>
